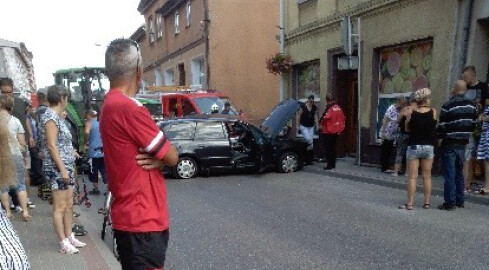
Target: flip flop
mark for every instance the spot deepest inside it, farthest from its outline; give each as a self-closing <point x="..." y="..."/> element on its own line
<point x="406" y="206"/>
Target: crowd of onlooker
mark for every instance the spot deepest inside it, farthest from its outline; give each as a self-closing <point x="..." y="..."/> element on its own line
<point x="414" y="129"/>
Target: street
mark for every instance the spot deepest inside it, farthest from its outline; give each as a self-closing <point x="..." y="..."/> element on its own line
<point x="309" y="221"/>
<point x="300" y="220"/>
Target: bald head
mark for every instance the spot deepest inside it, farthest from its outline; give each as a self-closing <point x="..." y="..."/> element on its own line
<point x="459" y="87"/>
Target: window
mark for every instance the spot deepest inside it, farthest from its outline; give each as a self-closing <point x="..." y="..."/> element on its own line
<point x="177" y="22"/>
<point x="180" y="131"/>
<point x="159" y="26"/>
<point x="158" y="77"/>
<point x="198" y="75"/>
<point x="169" y="77"/>
<point x="402" y="69"/>
<point x="189" y="9"/>
<point x="151" y="30"/>
<point x="209" y="131"/>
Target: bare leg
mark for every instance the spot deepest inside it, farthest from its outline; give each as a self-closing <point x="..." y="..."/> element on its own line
<point x="27" y="181"/>
<point x="486" y="176"/>
<point x="397" y="168"/>
<point x="413" y="178"/>
<point x="23" y="204"/>
<point x="68" y="216"/>
<point x="426" y="165"/>
<point x="4" y="197"/>
<point x="59" y="209"/>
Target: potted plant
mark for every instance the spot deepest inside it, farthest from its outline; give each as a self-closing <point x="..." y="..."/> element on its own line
<point x="279" y="63"/>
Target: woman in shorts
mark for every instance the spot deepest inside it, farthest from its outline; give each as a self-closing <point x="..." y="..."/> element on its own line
<point x="12" y="252"/>
<point x="59" y="167"/>
<point x="421" y="125"/>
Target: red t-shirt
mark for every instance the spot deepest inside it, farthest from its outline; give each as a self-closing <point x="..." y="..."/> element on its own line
<point x="140" y="200"/>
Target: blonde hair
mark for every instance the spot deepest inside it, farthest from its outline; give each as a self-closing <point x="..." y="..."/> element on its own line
<point x="422" y="95"/>
<point x="8" y="173"/>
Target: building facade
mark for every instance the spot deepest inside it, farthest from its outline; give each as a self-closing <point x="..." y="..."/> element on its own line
<point x="212" y="44"/>
<point x="405" y="45"/>
<point x="16" y="63"/>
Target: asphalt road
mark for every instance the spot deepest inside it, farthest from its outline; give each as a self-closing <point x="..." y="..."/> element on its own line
<point x="310" y="221"/>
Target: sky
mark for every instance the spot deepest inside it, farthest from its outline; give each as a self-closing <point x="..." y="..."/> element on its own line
<point x="65" y="33"/>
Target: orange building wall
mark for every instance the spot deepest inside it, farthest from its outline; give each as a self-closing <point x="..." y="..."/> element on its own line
<point x="242" y="35"/>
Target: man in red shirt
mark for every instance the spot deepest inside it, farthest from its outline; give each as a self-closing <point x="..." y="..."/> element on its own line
<point x="332" y="124"/>
<point x="135" y="152"/>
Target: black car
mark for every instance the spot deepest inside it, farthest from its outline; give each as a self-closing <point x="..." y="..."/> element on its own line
<point x="211" y="142"/>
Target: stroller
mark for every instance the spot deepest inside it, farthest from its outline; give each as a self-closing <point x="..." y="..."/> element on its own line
<point x="83" y="166"/>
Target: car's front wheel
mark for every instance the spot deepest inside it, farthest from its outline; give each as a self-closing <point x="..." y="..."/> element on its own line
<point x="186" y="168"/>
<point x="288" y="162"/>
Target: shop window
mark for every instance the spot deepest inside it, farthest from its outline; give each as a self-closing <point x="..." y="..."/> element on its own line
<point x="402" y="70"/>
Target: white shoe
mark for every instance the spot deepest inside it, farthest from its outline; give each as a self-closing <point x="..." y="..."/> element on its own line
<point x="67" y="248"/>
<point x="18" y="209"/>
<point x="31" y="205"/>
<point x="75" y="242"/>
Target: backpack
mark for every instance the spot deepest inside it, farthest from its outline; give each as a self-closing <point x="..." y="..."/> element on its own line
<point x="333" y="121"/>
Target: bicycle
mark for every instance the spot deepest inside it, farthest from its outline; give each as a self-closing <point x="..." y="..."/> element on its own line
<point x="108" y="223"/>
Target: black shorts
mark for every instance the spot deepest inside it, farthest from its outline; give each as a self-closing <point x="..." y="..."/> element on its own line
<point x="141" y="251"/>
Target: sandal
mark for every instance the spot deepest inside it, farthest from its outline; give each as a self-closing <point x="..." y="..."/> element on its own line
<point x="406" y="206"/>
<point x="426" y="206"/>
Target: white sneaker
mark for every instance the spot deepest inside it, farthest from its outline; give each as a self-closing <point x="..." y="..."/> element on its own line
<point x="18" y="209"/>
<point x="67" y="248"/>
<point x="75" y="242"/>
<point x="31" y="205"/>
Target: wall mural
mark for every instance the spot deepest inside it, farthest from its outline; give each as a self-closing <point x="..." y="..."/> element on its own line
<point x="403" y="69"/>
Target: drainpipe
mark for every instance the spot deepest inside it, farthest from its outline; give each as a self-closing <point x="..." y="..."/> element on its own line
<point x="282" y="47"/>
<point x="466" y="31"/>
<point x="206" y="37"/>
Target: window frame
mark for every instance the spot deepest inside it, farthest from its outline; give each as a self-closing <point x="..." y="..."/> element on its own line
<point x="177" y="22"/>
<point x="151" y="32"/>
<point x="159" y="26"/>
<point x="188" y="13"/>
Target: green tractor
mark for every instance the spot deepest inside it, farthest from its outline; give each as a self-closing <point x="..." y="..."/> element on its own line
<point x="88" y="86"/>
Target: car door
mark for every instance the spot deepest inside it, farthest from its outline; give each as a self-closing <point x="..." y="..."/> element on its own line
<point x="261" y="149"/>
<point x="212" y="145"/>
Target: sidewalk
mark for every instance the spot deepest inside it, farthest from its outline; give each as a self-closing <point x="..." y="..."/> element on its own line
<point x="346" y="168"/>
<point x="39" y="239"/>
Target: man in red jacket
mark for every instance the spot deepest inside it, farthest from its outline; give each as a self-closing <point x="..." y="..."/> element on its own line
<point x="135" y="151"/>
<point x="332" y="124"/>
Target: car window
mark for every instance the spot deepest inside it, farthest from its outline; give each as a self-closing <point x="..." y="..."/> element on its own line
<point x="209" y="105"/>
<point x="209" y="131"/>
<point x="179" y="131"/>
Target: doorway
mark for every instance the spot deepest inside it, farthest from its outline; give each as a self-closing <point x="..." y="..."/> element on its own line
<point x="345" y="91"/>
<point x="181" y="74"/>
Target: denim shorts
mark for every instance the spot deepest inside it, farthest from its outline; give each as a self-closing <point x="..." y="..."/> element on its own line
<point x="420" y="152"/>
<point x="19" y="184"/>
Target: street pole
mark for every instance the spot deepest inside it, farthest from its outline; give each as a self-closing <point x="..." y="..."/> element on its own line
<point x="359" y="87"/>
<point x="282" y="47"/>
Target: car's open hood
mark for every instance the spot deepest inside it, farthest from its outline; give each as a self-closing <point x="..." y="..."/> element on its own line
<point x="280" y="116"/>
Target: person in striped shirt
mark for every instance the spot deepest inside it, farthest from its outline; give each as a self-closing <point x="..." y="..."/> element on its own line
<point x="456" y="124"/>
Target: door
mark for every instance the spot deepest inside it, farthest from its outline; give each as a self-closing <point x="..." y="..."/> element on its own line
<point x="261" y="149"/>
<point x="212" y="145"/>
<point x="347" y="97"/>
<point x="181" y="74"/>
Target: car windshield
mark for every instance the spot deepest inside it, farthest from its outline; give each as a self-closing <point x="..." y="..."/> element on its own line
<point x="210" y="105"/>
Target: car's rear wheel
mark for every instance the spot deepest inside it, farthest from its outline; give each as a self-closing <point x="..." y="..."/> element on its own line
<point x="186" y="168"/>
<point x="288" y="162"/>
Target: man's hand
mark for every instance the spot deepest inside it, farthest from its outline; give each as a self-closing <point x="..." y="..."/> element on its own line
<point x="148" y="162"/>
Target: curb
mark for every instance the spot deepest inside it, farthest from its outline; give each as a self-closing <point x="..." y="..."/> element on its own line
<point x="477" y="199"/>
